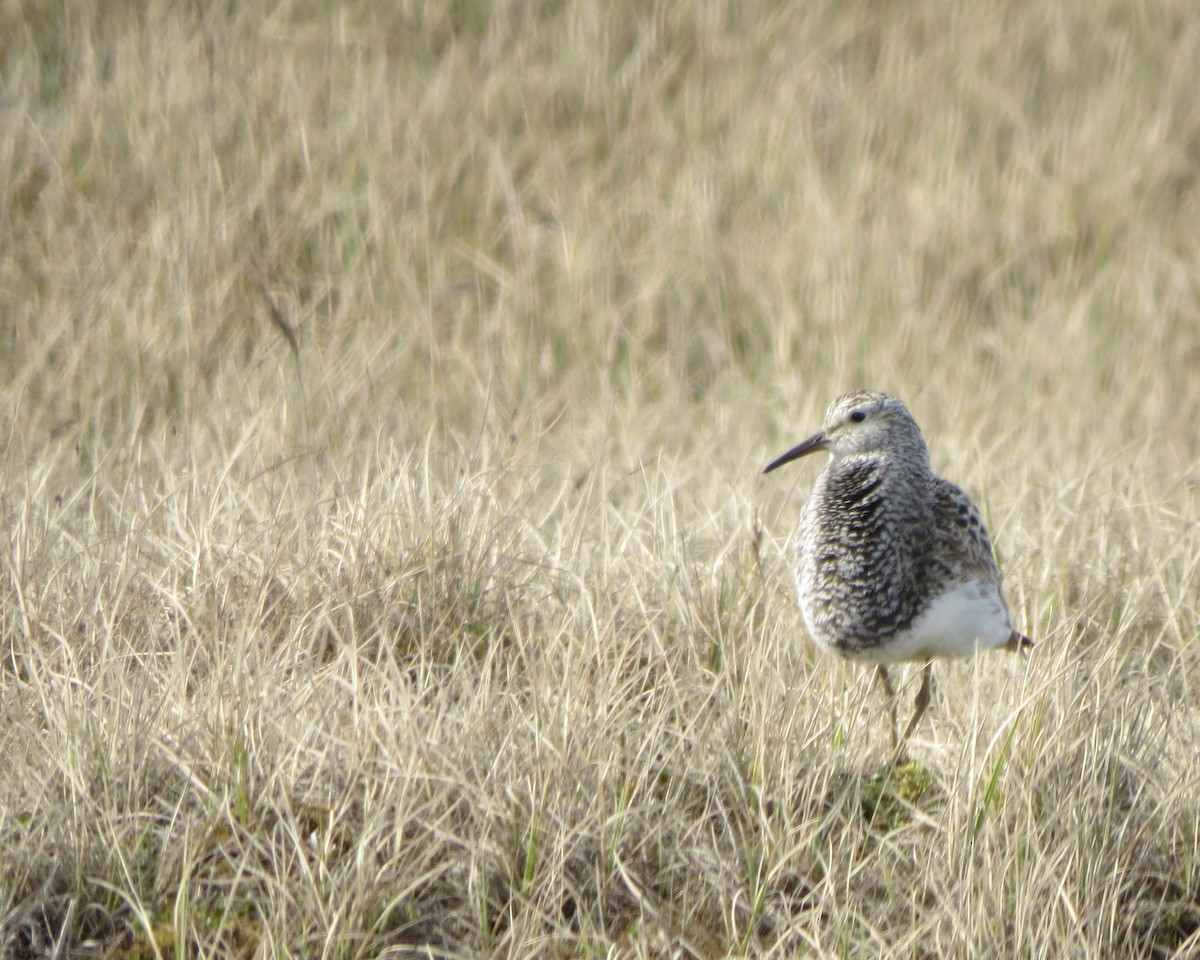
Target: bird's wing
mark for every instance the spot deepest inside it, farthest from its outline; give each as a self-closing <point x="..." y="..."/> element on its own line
<point x="960" y="530"/>
<point x="964" y="541"/>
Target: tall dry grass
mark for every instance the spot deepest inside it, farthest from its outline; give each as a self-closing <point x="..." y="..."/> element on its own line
<point x="386" y="567"/>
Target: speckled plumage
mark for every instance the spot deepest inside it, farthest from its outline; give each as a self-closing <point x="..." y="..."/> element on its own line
<point x="894" y="562"/>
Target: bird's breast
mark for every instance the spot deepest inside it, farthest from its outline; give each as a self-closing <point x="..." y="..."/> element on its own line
<point x="858" y="573"/>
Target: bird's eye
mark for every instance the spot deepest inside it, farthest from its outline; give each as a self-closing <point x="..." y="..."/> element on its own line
<point x="858" y="416"/>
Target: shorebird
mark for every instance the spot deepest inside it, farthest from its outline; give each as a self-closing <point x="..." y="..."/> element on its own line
<point x="894" y="563"/>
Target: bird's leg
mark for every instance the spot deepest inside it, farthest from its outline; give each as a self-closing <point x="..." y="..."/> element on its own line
<point x="881" y="676"/>
<point x="924" y="695"/>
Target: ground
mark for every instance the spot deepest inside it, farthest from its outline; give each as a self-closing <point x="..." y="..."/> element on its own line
<point x="387" y="567"/>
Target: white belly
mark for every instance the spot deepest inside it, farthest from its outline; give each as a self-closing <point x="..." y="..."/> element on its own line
<point x="968" y="617"/>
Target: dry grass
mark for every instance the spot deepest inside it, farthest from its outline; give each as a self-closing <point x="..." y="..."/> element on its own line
<point x="464" y="628"/>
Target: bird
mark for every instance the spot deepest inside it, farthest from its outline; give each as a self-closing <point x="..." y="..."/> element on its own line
<point x="894" y="563"/>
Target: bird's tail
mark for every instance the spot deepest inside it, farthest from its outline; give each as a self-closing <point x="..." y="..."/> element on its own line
<point x="1018" y="643"/>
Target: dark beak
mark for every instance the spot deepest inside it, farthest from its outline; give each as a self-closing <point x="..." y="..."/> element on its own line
<point x="817" y="441"/>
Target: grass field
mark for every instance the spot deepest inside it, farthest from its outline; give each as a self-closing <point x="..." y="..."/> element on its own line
<point x="387" y="569"/>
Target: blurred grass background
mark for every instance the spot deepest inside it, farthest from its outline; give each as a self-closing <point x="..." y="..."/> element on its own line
<point x="479" y="577"/>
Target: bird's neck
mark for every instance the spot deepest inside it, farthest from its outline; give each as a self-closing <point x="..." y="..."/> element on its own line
<point x="914" y="464"/>
<point x="898" y="484"/>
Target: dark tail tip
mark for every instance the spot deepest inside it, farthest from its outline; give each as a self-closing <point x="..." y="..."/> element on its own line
<point x="1019" y="643"/>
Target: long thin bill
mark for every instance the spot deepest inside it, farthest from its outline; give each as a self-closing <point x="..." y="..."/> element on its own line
<point x="811" y="445"/>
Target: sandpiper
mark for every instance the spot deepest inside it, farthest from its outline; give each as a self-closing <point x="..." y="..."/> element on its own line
<point x="894" y="562"/>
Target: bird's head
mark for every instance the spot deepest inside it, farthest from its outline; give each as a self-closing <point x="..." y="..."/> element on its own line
<point x="861" y="423"/>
